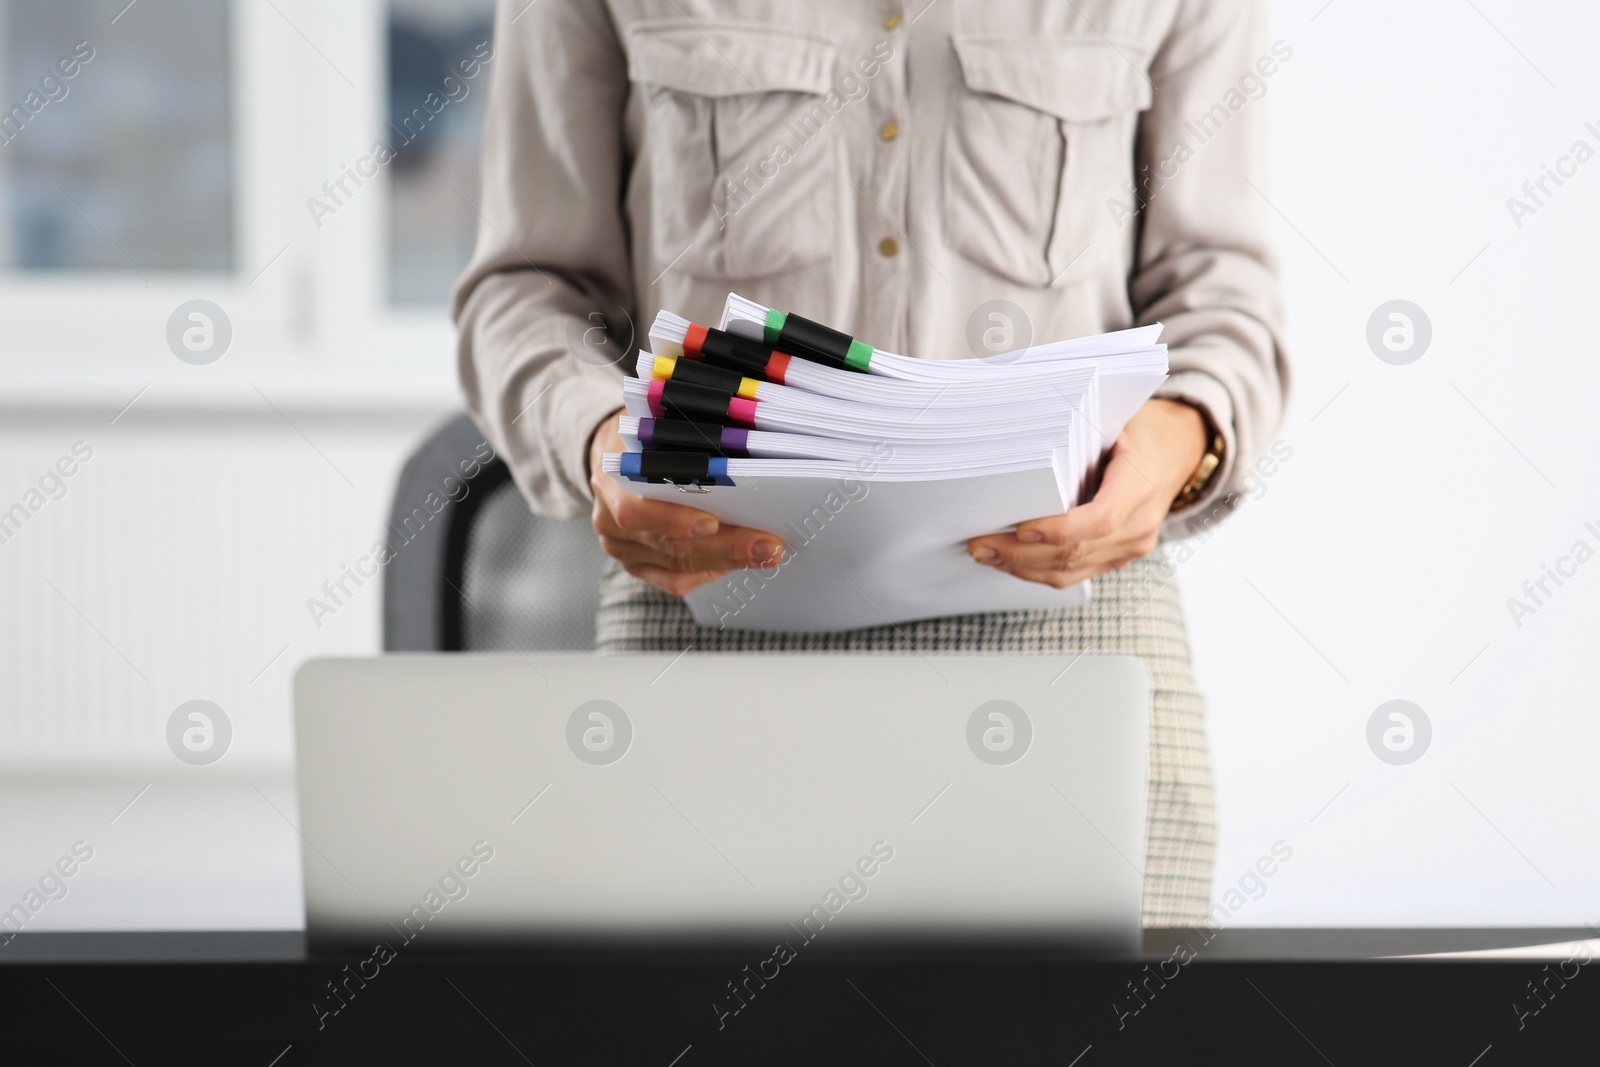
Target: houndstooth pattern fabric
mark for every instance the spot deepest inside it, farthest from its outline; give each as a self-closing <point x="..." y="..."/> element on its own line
<point x="1134" y="610"/>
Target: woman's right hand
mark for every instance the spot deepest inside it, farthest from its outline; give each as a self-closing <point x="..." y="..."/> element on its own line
<point x="673" y="547"/>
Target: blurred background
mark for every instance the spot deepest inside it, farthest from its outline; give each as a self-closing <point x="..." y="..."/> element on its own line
<point x="307" y="170"/>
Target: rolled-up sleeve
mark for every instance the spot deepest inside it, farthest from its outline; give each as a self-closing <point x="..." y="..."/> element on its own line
<point x="551" y="264"/>
<point x="1204" y="267"/>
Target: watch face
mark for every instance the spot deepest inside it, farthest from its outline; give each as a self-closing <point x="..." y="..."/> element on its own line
<point x="1203" y="473"/>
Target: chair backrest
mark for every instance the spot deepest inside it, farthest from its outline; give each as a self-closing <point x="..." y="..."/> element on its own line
<point x="472" y="568"/>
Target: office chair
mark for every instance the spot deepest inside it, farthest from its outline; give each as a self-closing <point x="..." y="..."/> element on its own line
<point x="473" y="570"/>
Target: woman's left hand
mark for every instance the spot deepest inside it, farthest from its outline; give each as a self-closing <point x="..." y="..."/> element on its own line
<point x="1152" y="460"/>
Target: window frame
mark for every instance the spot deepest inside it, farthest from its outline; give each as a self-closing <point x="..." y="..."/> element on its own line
<point x="308" y="306"/>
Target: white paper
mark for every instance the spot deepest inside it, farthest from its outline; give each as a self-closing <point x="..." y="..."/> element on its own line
<point x="961" y="448"/>
<point x="866" y="553"/>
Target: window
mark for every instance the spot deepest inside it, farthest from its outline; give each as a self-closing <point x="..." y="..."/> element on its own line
<point x="155" y="152"/>
<point x="113" y="156"/>
<point x="436" y="93"/>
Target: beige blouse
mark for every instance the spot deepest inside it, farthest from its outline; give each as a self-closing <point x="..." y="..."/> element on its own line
<point x="941" y="180"/>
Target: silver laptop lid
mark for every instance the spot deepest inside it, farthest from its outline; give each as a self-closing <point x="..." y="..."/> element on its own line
<point x="637" y="798"/>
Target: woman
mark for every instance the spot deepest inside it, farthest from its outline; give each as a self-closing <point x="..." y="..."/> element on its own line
<point x="1090" y="165"/>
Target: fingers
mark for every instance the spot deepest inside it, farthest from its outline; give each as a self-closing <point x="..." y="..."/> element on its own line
<point x="1056" y="579"/>
<point x="682" y="538"/>
<point x="1122" y="490"/>
<point x="731" y="546"/>
<point x="1086" y="536"/>
<point x="1124" y="517"/>
<point x="1005" y="551"/>
<point x="675" y="537"/>
<point x="1060" y="541"/>
<point x="674" y="583"/>
<point x="635" y="515"/>
<point x="726" y="551"/>
<point x="1063" y="579"/>
<point x="674" y="547"/>
<point x="1015" y="560"/>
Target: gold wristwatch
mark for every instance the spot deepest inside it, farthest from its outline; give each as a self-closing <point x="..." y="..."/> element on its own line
<point x="1202" y="475"/>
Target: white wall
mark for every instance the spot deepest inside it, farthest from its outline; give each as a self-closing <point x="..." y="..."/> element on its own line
<point x="1420" y="497"/>
<point x="176" y="567"/>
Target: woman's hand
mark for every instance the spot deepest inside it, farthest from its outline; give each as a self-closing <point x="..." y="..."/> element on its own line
<point x="673" y="547"/>
<point x="1152" y="460"/>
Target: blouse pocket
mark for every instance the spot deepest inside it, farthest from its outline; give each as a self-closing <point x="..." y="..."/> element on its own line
<point x="1040" y="139"/>
<point x="742" y="155"/>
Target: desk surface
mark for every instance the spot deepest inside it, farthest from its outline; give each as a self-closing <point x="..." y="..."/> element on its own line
<point x="1260" y="995"/>
<point x="1258" y="944"/>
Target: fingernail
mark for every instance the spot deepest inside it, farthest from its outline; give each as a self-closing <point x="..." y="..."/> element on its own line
<point x="1032" y="537"/>
<point x="703" y="528"/>
<point x="763" y="550"/>
<point x="986" y="555"/>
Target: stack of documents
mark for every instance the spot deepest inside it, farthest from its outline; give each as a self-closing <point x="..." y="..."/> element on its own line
<point x="875" y="469"/>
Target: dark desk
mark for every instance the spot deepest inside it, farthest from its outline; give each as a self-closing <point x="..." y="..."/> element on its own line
<point x="1266" y="996"/>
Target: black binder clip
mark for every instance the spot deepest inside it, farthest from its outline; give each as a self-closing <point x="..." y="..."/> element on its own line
<point x="691" y="472"/>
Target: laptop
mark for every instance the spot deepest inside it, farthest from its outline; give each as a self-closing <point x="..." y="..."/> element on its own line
<point x="642" y="800"/>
